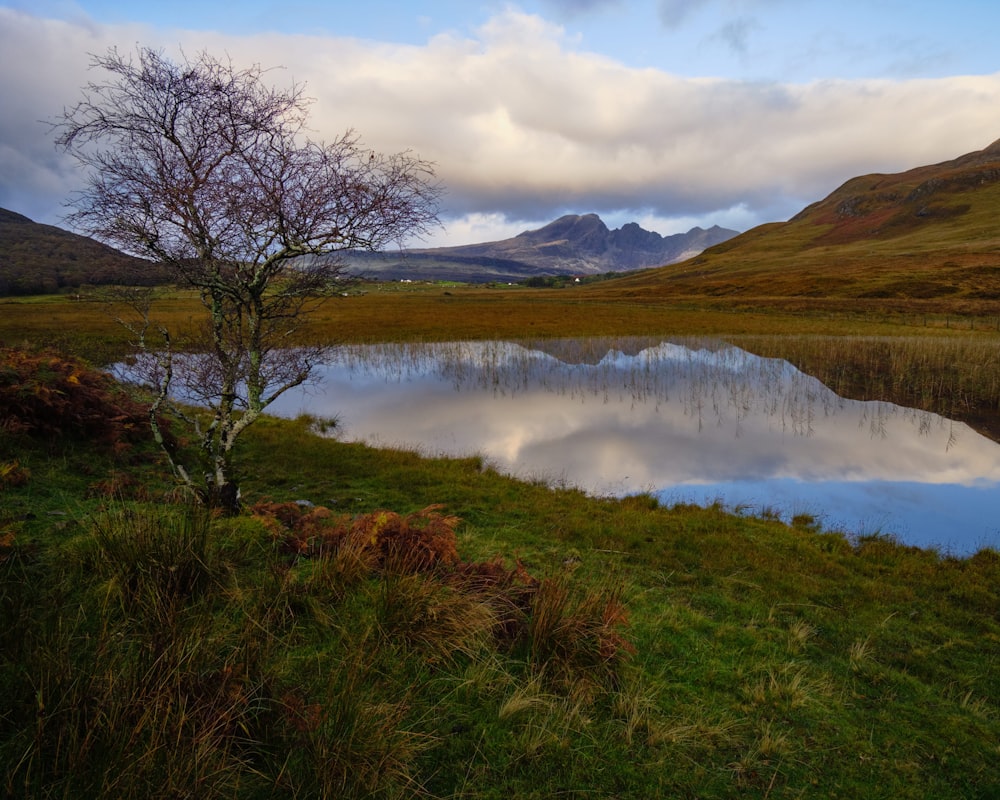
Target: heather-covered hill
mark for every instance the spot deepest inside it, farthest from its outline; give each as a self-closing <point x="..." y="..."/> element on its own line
<point x="930" y="233"/>
<point x="42" y="259"/>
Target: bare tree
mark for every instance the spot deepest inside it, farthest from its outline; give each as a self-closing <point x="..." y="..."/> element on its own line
<point x="204" y="168"/>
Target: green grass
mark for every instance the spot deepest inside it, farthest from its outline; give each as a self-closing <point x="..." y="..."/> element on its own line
<point x="604" y="647"/>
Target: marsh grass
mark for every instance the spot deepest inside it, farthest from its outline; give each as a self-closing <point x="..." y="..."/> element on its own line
<point x="346" y="740"/>
<point x="861" y="655"/>
<point x="441" y="623"/>
<point x="424" y="313"/>
<point x="956" y="376"/>
<point x="153" y="564"/>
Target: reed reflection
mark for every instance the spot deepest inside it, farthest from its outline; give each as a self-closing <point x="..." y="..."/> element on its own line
<point x="636" y="414"/>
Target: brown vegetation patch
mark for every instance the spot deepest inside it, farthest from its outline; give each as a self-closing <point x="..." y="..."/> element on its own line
<point x="575" y="633"/>
<point x="417" y="542"/>
<point x="509" y="591"/>
<point x="47" y="395"/>
<point x="12" y="474"/>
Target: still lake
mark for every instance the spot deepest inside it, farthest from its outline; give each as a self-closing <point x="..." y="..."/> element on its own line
<point x="689" y="421"/>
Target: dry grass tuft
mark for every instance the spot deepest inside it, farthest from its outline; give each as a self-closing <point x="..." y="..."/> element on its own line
<point x="575" y="635"/>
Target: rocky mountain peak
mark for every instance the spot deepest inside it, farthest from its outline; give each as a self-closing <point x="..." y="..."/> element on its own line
<point x="585" y="232"/>
<point x="574" y="244"/>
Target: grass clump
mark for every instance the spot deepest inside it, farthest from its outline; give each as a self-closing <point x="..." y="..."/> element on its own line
<point x="573" y="634"/>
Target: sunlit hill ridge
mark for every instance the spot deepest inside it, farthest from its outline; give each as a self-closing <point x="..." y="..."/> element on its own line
<point x="930" y="233"/>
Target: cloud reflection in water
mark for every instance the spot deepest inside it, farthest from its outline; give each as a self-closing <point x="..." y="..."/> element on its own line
<point x="695" y="422"/>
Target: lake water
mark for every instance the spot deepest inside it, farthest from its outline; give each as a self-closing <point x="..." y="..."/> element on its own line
<point x="695" y="422"/>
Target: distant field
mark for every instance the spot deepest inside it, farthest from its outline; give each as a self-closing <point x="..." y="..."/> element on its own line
<point x="430" y="312"/>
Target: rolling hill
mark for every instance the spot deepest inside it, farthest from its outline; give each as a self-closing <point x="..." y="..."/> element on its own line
<point x="43" y="259"/>
<point x="931" y="233"/>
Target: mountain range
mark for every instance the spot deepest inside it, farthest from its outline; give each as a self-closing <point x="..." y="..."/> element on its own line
<point x="571" y="245"/>
<point x="37" y="259"/>
<point x="931" y="234"/>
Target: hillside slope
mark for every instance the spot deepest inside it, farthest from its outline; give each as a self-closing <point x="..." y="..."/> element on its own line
<point x="42" y="259"/>
<point x="930" y="233"/>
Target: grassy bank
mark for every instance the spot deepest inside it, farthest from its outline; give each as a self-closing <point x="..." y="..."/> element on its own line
<point x="513" y="640"/>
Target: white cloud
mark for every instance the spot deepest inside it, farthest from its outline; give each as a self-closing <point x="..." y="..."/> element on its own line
<point x="524" y="126"/>
<point x="478" y="227"/>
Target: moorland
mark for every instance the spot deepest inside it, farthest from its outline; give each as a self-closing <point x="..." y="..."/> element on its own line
<point x="378" y="623"/>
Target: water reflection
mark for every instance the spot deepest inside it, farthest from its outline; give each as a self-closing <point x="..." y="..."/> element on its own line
<point x="692" y="421"/>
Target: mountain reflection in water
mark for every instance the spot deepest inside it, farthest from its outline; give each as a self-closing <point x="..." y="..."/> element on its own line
<point x="692" y="422"/>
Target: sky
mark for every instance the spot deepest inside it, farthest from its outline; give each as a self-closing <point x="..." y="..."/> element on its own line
<point x="669" y="113"/>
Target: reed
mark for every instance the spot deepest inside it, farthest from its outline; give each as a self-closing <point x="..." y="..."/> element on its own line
<point x="956" y="376"/>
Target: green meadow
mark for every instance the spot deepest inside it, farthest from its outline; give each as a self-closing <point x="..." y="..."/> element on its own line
<point x="380" y="623"/>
